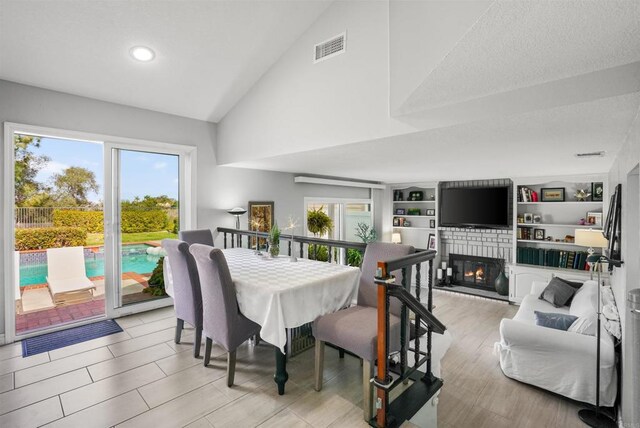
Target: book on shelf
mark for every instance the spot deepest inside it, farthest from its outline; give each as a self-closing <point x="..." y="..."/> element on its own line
<point x="526" y="194"/>
<point x="552" y="258"/>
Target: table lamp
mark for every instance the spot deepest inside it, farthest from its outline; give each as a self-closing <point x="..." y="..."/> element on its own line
<point x="396" y="238"/>
<point x="237" y="211"/>
<point x="593" y="239"/>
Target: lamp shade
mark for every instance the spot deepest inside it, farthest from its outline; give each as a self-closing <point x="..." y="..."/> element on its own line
<point x="237" y="211"/>
<point x="396" y="238"/>
<point x="591" y="238"/>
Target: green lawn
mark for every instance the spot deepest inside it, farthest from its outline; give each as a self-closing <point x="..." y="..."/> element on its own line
<point x="98" y="238"/>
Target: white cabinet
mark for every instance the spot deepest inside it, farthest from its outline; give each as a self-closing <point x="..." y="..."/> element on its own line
<point x="521" y="277"/>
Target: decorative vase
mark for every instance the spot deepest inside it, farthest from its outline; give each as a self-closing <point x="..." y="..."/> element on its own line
<point x="502" y="284"/>
<point x="274" y="248"/>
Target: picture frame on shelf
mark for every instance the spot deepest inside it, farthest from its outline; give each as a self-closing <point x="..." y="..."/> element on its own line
<point x="431" y="243"/>
<point x="552" y="194"/>
<point x="594" y="218"/>
<point x="432" y="223"/>
<point x="537" y="219"/>
<point x="413" y="211"/>
<point x="431" y="212"/>
<point x="538" y="234"/>
<point x="528" y="218"/>
<point x="597" y="191"/>
<point x="400" y="211"/>
<point x="396" y="221"/>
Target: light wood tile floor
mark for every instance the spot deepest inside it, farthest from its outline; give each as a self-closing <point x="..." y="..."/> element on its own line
<point x="140" y="378"/>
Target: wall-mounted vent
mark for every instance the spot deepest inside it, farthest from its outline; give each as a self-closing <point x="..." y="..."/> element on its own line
<point x="330" y="48"/>
<point x="597" y="154"/>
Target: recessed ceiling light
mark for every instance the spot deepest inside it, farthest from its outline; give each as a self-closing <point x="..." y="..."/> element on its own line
<point x="597" y="154"/>
<point x="142" y="53"/>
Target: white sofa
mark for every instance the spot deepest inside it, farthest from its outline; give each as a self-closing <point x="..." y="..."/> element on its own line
<point x="559" y="361"/>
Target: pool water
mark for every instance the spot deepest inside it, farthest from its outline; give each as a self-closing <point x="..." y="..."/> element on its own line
<point x="134" y="259"/>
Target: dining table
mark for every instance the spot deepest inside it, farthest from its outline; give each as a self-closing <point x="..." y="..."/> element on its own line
<point x="280" y="293"/>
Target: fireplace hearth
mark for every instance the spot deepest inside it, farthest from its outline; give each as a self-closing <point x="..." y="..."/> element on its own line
<point x="474" y="271"/>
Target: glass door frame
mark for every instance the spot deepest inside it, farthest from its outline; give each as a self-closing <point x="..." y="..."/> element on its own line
<point x="188" y="162"/>
<point x="186" y="209"/>
<point x="342" y="201"/>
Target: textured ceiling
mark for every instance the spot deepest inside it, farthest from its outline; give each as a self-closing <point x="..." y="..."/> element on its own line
<point x="208" y="53"/>
<point x="531" y="144"/>
<point x="517" y="44"/>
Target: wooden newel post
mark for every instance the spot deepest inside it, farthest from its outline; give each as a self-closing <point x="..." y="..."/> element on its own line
<point x="383" y="327"/>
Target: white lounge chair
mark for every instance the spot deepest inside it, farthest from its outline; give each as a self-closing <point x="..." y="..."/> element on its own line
<point x="67" y="275"/>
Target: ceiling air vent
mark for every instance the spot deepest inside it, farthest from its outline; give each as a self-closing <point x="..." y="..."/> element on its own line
<point x="597" y="154"/>
<point x="329" y="48"/>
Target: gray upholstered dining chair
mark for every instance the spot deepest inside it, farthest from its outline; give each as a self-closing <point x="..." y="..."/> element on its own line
<point x="355" y="329"/>
<point x="222" y="320"/>
<point x="196" y="236"/>
<point x="187" y="296"/>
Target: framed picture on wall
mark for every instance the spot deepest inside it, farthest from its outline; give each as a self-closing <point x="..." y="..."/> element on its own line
<point x="432" y="224"/>
<point x="260" y="219"/>
<point x="431" y="244"/>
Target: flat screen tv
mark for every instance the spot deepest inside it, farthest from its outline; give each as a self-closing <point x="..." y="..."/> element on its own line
<point x="480" y="207"/>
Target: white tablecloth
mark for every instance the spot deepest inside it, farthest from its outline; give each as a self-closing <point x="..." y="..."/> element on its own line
<point x="278" y="294"/>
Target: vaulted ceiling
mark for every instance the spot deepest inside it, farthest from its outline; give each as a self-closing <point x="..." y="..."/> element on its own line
<point x="208" y="53"/>
<point x="430" y="89"/>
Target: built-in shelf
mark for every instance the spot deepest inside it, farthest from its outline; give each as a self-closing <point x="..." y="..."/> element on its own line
<point x="544" y="242"/>
<point x="413" y="227"/>
<point x="414" y="202"/>
<point x="562" y="203"/>
<point x="551" y="268"/>
<point x="577" y="226"/>
<point x="414" y="216"/>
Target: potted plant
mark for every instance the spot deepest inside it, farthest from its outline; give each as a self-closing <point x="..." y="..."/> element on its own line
<point x="319" y="223"/>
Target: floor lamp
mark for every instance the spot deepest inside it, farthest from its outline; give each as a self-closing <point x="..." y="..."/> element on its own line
<point x="595" y="239"/>
<point x="237" y="212"/>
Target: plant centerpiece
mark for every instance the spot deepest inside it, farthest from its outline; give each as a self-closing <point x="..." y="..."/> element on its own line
<point x="274" y="240"/>
<point x="319" y="223"/>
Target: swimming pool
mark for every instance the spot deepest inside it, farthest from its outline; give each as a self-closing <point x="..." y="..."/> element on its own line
<point x="134" y="259"/>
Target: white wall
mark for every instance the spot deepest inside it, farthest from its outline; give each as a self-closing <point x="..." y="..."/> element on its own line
<point x="298" y="105"/>
<point x="218" y="188"/>
<point x="627" y="277"/>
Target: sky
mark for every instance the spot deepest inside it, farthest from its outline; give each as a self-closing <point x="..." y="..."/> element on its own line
<point x="141" y="173"/>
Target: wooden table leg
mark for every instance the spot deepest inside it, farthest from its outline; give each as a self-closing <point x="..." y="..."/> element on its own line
<point x="281" y="376"/>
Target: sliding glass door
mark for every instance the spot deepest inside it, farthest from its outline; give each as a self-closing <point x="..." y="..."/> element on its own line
<point x="58" y="232"/>
<point x="146" y="207"/>
<point x="84" y="217"/>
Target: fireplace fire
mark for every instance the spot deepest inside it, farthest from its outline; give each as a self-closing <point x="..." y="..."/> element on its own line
<point x="474" y="271"/>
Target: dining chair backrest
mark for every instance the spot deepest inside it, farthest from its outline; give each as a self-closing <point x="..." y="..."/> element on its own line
<point x="375" y="252"/>
<point x="187" y="295"/>
<point x="219" y="299"/>
<point x="197" y="236"/>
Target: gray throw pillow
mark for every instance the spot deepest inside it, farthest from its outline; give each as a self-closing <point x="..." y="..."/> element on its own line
<point x="556" y="321"/>
<point x="558" y="292"/>
<point x="574" y="284"/>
